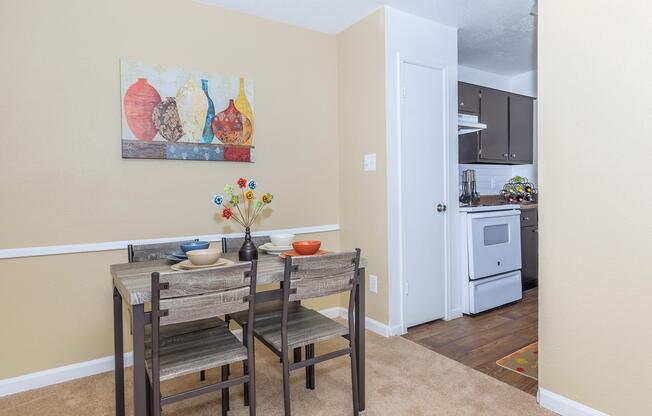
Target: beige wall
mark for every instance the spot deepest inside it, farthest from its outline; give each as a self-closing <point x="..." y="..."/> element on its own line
<point x="363" y="213"/>
<point x="63" y="178"/>
<point x="594" y="146"/>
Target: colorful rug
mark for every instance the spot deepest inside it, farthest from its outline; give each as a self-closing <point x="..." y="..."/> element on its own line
<point x="524" y="361"/>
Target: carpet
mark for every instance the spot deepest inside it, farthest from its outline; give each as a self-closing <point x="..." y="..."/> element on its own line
<point x="403" y="378"/>
<point x="524" y="361"/>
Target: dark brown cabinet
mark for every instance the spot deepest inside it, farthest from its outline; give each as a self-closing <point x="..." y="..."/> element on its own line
<point x="468" y="98"/>
<point x="521" y="127"/>
<point x="529" y="248"/>
<point x="508" y="138"/>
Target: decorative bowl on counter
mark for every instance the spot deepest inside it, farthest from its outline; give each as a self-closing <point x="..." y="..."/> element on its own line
<point x="306" y="248"/>
<point x="194" y="245"/>
<point x="282" y="240"/>
<point x="204" y="257"/>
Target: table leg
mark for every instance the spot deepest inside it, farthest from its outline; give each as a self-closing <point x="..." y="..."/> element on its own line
<point x="119" y="354"/>
<point x="140" y="408"/>
<point x="360" y="336"/>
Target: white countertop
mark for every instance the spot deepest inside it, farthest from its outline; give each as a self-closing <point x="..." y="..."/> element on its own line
<point x="485" y="208"/>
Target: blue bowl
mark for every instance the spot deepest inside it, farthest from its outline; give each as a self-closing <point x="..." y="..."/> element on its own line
<point x="194" y="245"/>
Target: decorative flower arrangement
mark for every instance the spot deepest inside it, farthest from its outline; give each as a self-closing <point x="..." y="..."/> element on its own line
<point x="243" y="206"/>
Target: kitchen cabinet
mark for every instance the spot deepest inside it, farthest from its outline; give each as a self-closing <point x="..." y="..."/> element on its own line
<point x="508" y="138"/>
<point x="529" y="248"/>
<point x="468" y="96"/>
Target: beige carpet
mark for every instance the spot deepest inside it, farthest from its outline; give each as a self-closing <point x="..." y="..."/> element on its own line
<point x="403" y="378"/>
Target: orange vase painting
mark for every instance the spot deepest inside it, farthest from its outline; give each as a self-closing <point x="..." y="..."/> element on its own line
<point x="166" y="114"/>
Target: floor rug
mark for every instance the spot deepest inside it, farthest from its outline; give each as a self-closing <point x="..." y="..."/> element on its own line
<point x="524" y="361"/>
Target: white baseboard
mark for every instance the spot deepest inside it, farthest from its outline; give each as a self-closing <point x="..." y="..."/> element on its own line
<point x="60" y="374"/>
<point x="565" y="406"/>
<point x="101" y="365"/>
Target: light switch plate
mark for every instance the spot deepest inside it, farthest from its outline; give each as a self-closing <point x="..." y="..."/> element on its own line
<point x="370" y="162"/>
<point x="373" y="283"/>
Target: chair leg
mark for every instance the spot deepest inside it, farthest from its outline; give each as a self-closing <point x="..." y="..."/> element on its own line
<point x="225" y="392"/>
<point x="148" y="396"/>
<point x="354" y="379"/>
<point x="245" y="367"/>
<point x="202" y="375"/>
<point x="227" y="319"/>
<point x="310" y="370"/>
<point x="286" y="386"/>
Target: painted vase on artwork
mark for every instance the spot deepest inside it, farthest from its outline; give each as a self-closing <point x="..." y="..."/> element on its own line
<point x="227" y="125"/>
<point x="243" y="106"/>
<point x="139" y="102"/>
<point x="192" y="107"/>
<point x="207" y="135"/>
<point x="166" y="119"/>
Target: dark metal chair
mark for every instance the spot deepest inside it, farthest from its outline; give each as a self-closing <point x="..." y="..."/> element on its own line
<point x="309" y="277"/>
<point x="147" y="252"/>
<point x="233" y="244"/>
<point x="182" y="297"/>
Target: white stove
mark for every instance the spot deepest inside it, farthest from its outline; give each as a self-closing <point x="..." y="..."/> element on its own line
<point x="492" y="247"/>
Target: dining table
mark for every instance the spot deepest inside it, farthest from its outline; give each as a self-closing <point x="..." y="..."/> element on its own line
<point x="132" y="286"/>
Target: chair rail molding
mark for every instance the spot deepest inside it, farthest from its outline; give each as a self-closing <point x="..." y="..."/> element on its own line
<point x="10" y="253"/>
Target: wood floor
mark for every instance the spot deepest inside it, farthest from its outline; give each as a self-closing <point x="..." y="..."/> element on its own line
<point x="478" y="342"/>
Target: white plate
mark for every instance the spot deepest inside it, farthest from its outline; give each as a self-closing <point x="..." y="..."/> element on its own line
<point x="271" y="248"/>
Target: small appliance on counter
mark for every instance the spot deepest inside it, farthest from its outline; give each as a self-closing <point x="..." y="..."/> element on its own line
<point x="517" y="190"/>
<point x="469" y="191"/>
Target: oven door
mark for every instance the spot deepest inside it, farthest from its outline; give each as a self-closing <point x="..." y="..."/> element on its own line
<point x="494" y="243"/>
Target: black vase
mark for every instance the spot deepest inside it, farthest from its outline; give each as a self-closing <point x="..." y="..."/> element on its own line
<point x="248" y="250"/>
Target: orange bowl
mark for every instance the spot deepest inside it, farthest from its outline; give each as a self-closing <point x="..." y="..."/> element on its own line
<point x="306" y="248"/>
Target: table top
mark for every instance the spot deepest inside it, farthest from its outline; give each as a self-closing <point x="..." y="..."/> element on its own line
<point x="133" y="280"/>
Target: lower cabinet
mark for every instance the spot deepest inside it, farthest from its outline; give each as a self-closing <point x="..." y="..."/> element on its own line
<point x="529" y="248"/>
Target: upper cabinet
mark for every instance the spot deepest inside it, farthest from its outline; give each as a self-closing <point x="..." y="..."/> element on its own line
<point x="468" y="97"/>
<point x="509" y="136"/>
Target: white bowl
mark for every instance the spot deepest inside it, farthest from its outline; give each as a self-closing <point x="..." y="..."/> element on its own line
<point x="282" y="240"/>
<point x="204" y="257"/>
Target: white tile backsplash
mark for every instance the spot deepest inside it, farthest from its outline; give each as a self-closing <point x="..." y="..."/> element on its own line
<point x="490" y="179"/>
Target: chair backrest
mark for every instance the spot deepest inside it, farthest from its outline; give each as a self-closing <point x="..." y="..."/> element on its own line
<point x="145" y="252"/>
<point x="184" y="296"/>
<point x="233" y="244"/>
<point x="317" y="276"/>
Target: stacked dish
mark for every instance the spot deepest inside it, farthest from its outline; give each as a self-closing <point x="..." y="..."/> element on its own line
<point x="279" y="243"/>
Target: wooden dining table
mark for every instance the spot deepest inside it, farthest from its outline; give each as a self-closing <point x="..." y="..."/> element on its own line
<point x="132" y="286"/>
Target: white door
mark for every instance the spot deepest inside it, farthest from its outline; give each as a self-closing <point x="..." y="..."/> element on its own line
<point x="423" y="187"/>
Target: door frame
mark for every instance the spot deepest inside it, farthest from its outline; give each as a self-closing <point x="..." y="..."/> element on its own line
<point x="397" y="295"/>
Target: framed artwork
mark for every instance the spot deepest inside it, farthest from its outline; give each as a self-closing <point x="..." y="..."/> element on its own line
<point x="182" y="114"/>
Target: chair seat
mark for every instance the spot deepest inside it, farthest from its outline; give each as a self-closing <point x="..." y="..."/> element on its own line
<point x="194" y="351"/>
<point x="266" y="310"/>
<point x="305" y="327"/>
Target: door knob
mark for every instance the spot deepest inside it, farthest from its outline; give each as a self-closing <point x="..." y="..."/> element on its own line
<point x="441" y="207"/>
<point x="513" y="155"/>
<point x="505" y="155"/>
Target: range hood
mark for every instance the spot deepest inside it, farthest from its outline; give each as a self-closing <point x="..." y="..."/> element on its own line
<point x="467" y="123"/>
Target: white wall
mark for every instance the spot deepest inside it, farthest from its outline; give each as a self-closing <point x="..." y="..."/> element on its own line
<point x="525" y="83"/>
<point x="419" y="40"/>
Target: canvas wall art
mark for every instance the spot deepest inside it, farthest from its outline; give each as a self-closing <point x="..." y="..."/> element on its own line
<point x="184" y="114"/>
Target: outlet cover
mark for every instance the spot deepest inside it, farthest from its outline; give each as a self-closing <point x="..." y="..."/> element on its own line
<point x="370" y="162"/>
<point x="373" y="283"/>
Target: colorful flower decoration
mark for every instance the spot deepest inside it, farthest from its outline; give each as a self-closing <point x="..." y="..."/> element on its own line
<point x="242" y="207"/>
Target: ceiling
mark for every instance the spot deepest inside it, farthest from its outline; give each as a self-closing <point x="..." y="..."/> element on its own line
<point x="494" y="35"/>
